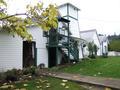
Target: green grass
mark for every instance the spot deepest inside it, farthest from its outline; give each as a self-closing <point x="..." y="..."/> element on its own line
<point x="105" y="67"/>
<point x="55" y="84"/>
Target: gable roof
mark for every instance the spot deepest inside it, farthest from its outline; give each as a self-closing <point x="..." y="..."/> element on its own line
<point x="88" y="35"/>
<point x="70" y="5"/>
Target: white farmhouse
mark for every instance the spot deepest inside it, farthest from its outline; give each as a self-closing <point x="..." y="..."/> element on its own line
<point x="90" y="36"/>
<point x="103" y="44"/>
<point x="17" y="53"/>
<point x="55" y="47"/>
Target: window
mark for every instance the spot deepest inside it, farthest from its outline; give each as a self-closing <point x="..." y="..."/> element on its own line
<point x="45" y="33"/>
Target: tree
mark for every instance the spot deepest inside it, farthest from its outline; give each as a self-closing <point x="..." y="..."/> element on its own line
<point x="114" y="45"/>
<point x="95" y="49"/>
<point x="92" y="48"/>
<point x="35" y="15"/>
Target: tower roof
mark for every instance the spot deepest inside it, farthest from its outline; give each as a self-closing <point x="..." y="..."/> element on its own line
<point x="70" y="5"/>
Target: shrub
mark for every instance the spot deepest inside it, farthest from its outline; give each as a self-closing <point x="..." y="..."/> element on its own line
<point x="2" y="78"/>
<point x="30" y="70"/>
<point x="92" y="56"/>
<point x="92" y="48"/>
<point x="105" y="55"/>
<point x="86" y="58"/>
<point x="14" y="74"/>
<point x="11" y="75"/>
<point x="26" y="71"/>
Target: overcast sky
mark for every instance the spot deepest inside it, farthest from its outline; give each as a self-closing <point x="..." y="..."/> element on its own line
<point x="102" y="15"/>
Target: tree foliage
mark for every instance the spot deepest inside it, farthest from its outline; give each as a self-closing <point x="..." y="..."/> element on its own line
<point x="92" y="48"/>
<point x="114" y="45"/>
<point x="95" y="49"/>
<point x="35" y="15"/>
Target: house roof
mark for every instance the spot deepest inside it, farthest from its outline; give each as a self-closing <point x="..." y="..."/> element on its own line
<point x="88" y="35"/>
<point x="69" y="4"/>
<point x="63" y="19"/>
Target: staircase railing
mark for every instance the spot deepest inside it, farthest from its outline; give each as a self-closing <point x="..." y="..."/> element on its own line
<point x="73" y="47"/>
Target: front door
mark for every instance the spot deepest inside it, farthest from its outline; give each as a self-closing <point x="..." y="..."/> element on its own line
<point x="29" y="53"/>
<point x="52" y="56"/>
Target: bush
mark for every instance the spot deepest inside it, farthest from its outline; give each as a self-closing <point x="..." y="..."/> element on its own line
<point x="30" y="70"/>
<point x="14" y="74"/>
<point x="2" y="78"/>
<point x="92" y="56"/>
<point x="26" y="71"/>
<point x="105" y="55"/>
<point x="114" y="45"/>
<point x="86" y="58"/>
<point x="11" y="75"/>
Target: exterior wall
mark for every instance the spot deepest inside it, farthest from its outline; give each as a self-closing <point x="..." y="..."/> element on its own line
<point x="59" y="57"/>
<point x="63" y="11"/>
<point x="70" y="12"/>
<point x="42" y="53"/>
<point x="72" y="15"/>
<point x="73" y="12"/>
<point x="104" y="47"/>
<point x="96" y="41"/>
<point x="80" y="52"/>
<point x="42" y="56"/>
<point x="101" y="49"/>
<point x="11" y="49"/>
<point x="10" y="52"/>
<point x="74" y="27"/>
<point x="85" y="51"/>
<point x="91" y="37"/>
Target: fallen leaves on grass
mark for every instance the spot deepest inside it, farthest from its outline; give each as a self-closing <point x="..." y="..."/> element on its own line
<point x="108" y="88"/>
<point x="25" y="85"/>
<point x="64" y="80"/>
<point x="6" y="86"/>
<point x="66" y="86"/>
<point x="63" y="84"/>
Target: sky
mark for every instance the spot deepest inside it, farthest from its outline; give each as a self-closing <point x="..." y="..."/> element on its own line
<point x="102" y="15"/>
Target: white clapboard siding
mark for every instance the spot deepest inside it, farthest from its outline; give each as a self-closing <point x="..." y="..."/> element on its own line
<point x="73" y="11"/>
<point x="74" y="28"/>
<point x="97" y="42"/>
<point x="42" y="56"/>
<point x="42" y="53"/>
<point x="10" y="52"/>
<point x="80" y="52"/>
<point x="62" y="11"/>
<point x="91" y="36"/>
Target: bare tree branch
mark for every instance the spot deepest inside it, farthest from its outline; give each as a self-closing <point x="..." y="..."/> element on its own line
<point x="12" y="16"/>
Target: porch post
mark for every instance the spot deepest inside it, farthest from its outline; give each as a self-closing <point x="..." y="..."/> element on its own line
<point x="68" y="44"/>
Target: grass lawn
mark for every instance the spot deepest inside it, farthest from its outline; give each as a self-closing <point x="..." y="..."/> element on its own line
<point x="46" y="83"/>
<point x="105" y="67"/>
